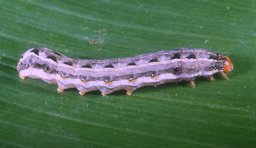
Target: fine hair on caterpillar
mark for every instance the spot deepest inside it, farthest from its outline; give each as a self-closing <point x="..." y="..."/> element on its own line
<point x="130" y="73"/>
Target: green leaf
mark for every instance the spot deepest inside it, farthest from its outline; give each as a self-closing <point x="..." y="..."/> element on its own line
<point x="214" y="114"/>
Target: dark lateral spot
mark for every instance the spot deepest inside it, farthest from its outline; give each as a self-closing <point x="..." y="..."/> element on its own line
<point x="68" y="63"/>
<point x="84" y="78"/>
<point x="127" y="77"/>
<point x="213" y="56"/>
<point x="191" y="56"/>
<point x="153" y="60"/>
<point x="153" y="74"/>
<point x="219" y="65"/>
<point x="39" y="66"/>
<point x="131" y="77"/>
<point x="87" y="66"/>
<point x="131" y="64"/>
<point x="52" y="57"/>
<point x="177" y="70"/>
<point x="176" y="56"/>
<point x="109" y="66"/>
<point x="169" y="70"/>
<point x="106" y="79"/>
<point x="209" y="68"/>
<point x="147" y="74"/>
<point x="35" y="50"/>
<point x="47" y="69"/>
<point x="191" y="70"/>
<point x="64" y="75"/>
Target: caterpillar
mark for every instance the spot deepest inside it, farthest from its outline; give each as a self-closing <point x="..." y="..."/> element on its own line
<point x="130" y="73"/>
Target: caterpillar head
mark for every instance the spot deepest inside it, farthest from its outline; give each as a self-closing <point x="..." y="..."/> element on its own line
<point x="228" y="66"/>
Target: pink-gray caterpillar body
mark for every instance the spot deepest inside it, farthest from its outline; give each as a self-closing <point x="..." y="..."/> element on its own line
<point x="109" y="75"/>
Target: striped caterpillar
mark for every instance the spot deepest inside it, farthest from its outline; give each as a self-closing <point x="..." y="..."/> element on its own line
<point x="109" y="75"/>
